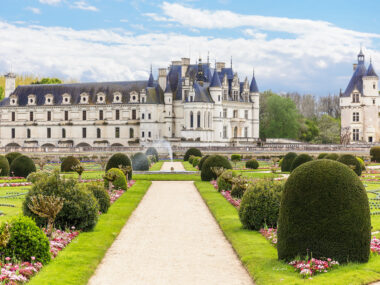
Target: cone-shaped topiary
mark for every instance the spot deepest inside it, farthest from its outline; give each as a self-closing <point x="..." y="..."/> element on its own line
<point x="119" y="159"/>
<point x="213" y="161"/>
<point x="322" y="155"/>
<point x="140" y="162"/>
<point x="152" y="151"/>
<point x="22" y="166"/>
<point x="375" y="153"/>
<point x="202" y="161"/>
<point x="351" y="162"/>
<point x="332" y="156"/>
<point x="286" y="164"/>
<point x="301" y="159"/>
<point x="324" y="212"/>
<point x="192" y="151"/>
<point x="4" y="166"/>
<point x="12" y="156"/>
<point x="252" y="164"/>
<point x="68" y="163"/>
<point x="120" y="182"/>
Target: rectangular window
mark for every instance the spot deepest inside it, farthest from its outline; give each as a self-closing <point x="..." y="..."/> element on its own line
<point x="355" y="134"/>
<point x="98" y="133"/>
<point x="63" y="133"/>
<point x="48" y="133"/>
<point x="225" y="94"/>
<point x="66" y="115"/>
<point x="49" y="115"/>
<point x="28" y="133"/>
<point x="246" y="132"/>
<point x="355" y="116"/>
<point x="117" y="132"/>
<point x="117" y="114"/>
<point x="246" y="114"/>
<point x="355" y="98"/>
<point x="143" y="134"/>
<point x="84" y="115"/>
<point x="13" y="133"/>
<point x="235" y="113"/>
<point x="224" y="113"/>
<point x="224" y="132"/>
<point x="133" y="114"/>
<point x="149" y="134"/>
<point x="149" y="116"/>
<point x="101" y="115"/>
<point x="13" y="116"/>
<point x="31" y="116"/>
<point x="84" y="133"/>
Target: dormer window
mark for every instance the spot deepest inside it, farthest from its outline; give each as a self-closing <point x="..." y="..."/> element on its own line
<point x="355" y="98"/>
<point x="84" y="98"/>
<point x="66" y="98"/>
<point x="134" y="96"/>
<point x="117" y="97"/>
<point x="32" y="99"/>
<point x="13" y="100"/>
<point x="101" y="98"/>
<point x="49" y="99"/>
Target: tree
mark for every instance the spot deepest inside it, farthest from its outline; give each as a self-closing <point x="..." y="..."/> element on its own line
<point x="329" y="130"/>
<point x="48" y="81"/>
<point x="309" y="130"/>
<point x="1" y="92"/>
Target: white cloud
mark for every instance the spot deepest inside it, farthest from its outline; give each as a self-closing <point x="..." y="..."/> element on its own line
<point x="83" y="5"/>
<point x="50" y="2"/>
<point x="156" y="17"/>
<point x="124" y="20"/>
<point x="34" y="10"/>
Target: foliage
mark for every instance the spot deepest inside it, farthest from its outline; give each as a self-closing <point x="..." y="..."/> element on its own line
<point x="196" y="160"/>
<point x="1" y="92"/>
<point x="120" y="181"/>
<point x="351" y="162"/>
<point x="12" y="156"/>
<point x="80" y="208"/>
<point x="22" y="166"/>
<point x="260" y="205"/>
<point x="192" y="151"/>
<point x="140" y="162"/>
<point x="26" y="240"/>
<point x="362" y="164"/>
<point x="287" y="161"/>
<point x="190" y="160"/>
<point x="38" y="175"/>
<point x="239" y="186"/>
<point x="309" y="130"/>
<point x="152" y="151"/>
<point x="101" y="196"/>
<point x="300" y="159"/>
<point x="332" y="156"/>
<point x="4" y="166"/>
<point x="78" y="168"/>
<point x="235" y="158"/>
<point x="252" y="164"/>
<point x="48" y="81"/>
<point x="375" y="153"/>
<point x="322" y="155"/>
<point x="225" y="180"/>
<point x="68" y="163"/>
<point x="119" y="159"/>
<point x="324" y="212"/>
<point x="202" y="161"/>
<point x="329" y="130"/>
<point x="213" y="161"/>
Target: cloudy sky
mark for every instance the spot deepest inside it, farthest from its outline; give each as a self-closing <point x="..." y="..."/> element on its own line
<point x="306" y="46"/>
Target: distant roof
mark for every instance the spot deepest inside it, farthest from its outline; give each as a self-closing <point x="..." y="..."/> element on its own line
<point x="356" y="81"/>
<point x="215" y="81"/>
<point x="370" y="71"/>
<point x="253" y="87"/>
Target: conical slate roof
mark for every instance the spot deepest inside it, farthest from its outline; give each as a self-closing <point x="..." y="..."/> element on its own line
<point x="356" y="81"/>
<point x="151" y="80"/>
<point x="215" y="82"/>
<point x="253" y="87"/>
<point x="168" y="88"/>
<point x="371" y="71"/>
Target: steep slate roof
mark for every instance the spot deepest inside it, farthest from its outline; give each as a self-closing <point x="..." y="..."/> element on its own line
<point x="215" y="82"/>
<point x="356" y="81"/>
<point x="201" y="93"/>
<point x="371" y="70"/>
<point x="253" y="86"/>
<point x="154" y="94"/>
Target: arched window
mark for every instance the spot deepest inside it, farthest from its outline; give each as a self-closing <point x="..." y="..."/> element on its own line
<point x="235" y="132"/>
<point x="131" y="133"/>
<point x="198" y="119"/>
<point x="63" y="133"/>
<point x="98" y="133"/>
<point x="28" y="134"/>
<point x="191" y="120"/>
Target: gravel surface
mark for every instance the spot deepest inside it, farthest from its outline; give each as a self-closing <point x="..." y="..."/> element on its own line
<point x="166" y="166"/>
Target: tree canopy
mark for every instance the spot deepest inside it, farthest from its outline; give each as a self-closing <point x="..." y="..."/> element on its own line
<point x="48" y="81"/>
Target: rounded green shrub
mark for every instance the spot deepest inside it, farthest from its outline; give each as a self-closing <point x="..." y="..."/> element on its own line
<point x="203" y="159"/>
<point x="300" y="159"/>
<point x="153" y="152"/>
<point x="225" y="180"/>
<point x="213" y="161"/>
<point x="324" y="212"/>
<point x="286" y="164"/>
<point x="4" y="166"/>
<point x="322" y="155"/>
<point x="26" y="239"/>
<point x="191" y="158"/>
<point x="38" y="175"/>
<point x="252" y="164"/>
<point x="140" y="162"/>
<point x="192" y="151"/>
<point x="68" y="163"/>
<point x="260" y="205"/>
<point x="120" y="182"/>
<point x="332" y="156"/>
<point x="235" y="158"/>
<point x="101" y="196"/>
<point x="12" y="156"/>
<point x="196" y="160"/>
<point x="80" y="208"/>
<point x="119" y="159"/>
<point x="375" y="153"/>
<point x="237" y="190"/>
<point x="352" y="162"/>
<point x="22" y="166"/>
<point x="362" y="164"/>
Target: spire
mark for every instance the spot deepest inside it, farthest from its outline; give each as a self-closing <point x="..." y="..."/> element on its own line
<point x="168" y="88"/>
<point x="253" y="87"/>
<point x="200" y="75"/>
<point x="215" y="82"/>
<point x="151" y="79"/>
<point x="361" y="56"/>
<point x="231" y="61"/>
<point x="370" y="71"/>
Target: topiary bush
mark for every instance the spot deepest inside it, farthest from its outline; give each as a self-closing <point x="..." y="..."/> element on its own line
<point x="332" y="156"/>
<point x="22" y="166"/>
<point x="196" y="161"/>
<point x="300" y="159"/>
<point x="239" y="186"/>
<point x="225" y="180"/>
<point x="252" y="164"/>
<point x="68" y="163"/>
<point x="12" y="156"/>
<point x="119" y="159"/>
<point x="192" y="151"/>
<point x="235" y="158"/>
<point x="120" y="182"/>
<point x="213" y="161"/>
<point x="260" y="205"/>
<point x="4" y="166"/>
<point x="26" y="239"/>
<point x="153" y="152"/>
<point x="101" y="196"/>
<point x="322" y="155"/>
<point x="351" y="162"/>
<point x="375" y="153"/>
<point x="203" y="159"/>
<point x="362" y="164"/>
<point x="191" y="158"/>
<point x="140" y="162"/>
<point x="287" y="160"/>
<point x="324" y="212"/>
<point x="80" y="208"/>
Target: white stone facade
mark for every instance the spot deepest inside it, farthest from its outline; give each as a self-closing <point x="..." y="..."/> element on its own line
<point x="188" y="105"/>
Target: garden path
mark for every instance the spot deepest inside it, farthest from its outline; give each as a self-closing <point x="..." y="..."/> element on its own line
<point x="178" y="166"/>
<point x="171" y="238"/>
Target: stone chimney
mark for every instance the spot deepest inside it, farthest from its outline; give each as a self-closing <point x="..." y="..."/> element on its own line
<point x="162" y="77"/>
<point x="220" y="65"/>
<point x="10" y="84"/>
<point x="185" y="65"/>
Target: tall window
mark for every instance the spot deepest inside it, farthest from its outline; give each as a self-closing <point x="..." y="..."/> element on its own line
<point x="142" y="116"/>
<point x="224" y="132"/>
<point x="355" y="116"/>
<point x="66" y="115"/>
<point x="149" y="116"/>
<point x="246" y="114"/>
<point x="236" y="95"/>
<point x="31" y="116"/>
<point x="131" y="133"/>
<point x="209" y="119"/>
<point x="191" y="120"/>
<point x="63" y="133"/>
<point x="235" y="113"/>
<point x="98" y="133"/>
<point x="49" y="115"/>
<point x="117" y="114"/>
<point x="13" y="116"/>
<point x="117" y="132"/>
<point x="149" y="134"/>
<point x="84" y="115"/>
<point x="100" y="114"/>
<point x="28" y="134"/>
<point x="13" y="133"/>
<point x="235" y="132"/>
<point x="225" y="94"/>
<point x="84" y="133"/>
<point x="142" y="134"/>
<point x="355" y="134"/>
<point x="224" y="113"/>
<point x="133" y="114"/>
<point x="198" y="119"/>
<point x="355" y="98"/>
<point x="48" y="133"/>
<point x="246" y="132"/>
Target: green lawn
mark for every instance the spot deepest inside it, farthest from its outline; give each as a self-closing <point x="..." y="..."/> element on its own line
<point x="257" y="175"/>
<point x="260" y="258"/>
<point x="9" y="211"/>
<point x="188" y="166"/>
<point x="157" y="166"/>
<point x="78" y="261"/>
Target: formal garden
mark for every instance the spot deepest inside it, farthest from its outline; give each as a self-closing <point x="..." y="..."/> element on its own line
<point x="291" y="219"/>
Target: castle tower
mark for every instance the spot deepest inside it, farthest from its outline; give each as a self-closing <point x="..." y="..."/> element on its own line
<point x="255" y="99"/>
<point x="10" y="83"/>
<point x="168" y="98"/>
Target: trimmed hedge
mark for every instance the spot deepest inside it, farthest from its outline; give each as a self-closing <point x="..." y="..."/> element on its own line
<point x="351" y="162"/>
<point x="300" y="159"/>
<point x="140" y="162"/>
<point x="12" y="156"/>
<point x="153" y="152"/>
<point x="286" y="164"/>
<point x="196" y="161"/>
<point x="68" y="163"/>
<point x="119" y="159"/>
<point x="101" y="196"/>
<point x="252" y="164"/>
<point x="120" y="182"/>
<point x="22" y="166"/>
<point x="224" y="180"/>
<point x="322" y="155"/>
<point x="332" y="156"/>
<point x="375" y="153"/>
<point x="192" y="151"/>
<point x="362" y="164"/>
<point x="324" y="212"/>
<point x="213" y="161"/>
<point x="4" y="166"/>
<point x="202" y="161"/>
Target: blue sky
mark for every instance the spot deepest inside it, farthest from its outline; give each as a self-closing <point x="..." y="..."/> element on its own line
<point x="305" y="46"/>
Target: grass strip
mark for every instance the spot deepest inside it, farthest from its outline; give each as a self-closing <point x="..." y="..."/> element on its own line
<point x="188" y="166"/>
<point x="78" y="261"/>
<point x="157" y="166"/>
<point x="167" y="177"/>
<point x="260" y="258"/>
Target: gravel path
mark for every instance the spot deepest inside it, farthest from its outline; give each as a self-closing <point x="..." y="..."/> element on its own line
<point x="171" y="238"/>
<point x="178" y="166"/>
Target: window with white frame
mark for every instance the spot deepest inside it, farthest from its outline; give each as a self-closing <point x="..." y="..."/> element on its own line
<point x="355" y="98"/>
<point x="355" y="134"/>
<point x="355" y="116"/>
<point x="224" y="132"/>
<point x="32" y="99"/>
<point x="66" y="98"/>
<point x="100" y="98"/>
<point x="49" y="99"/>
<point x="84" y="98"/>
<point x="117" y="97"/>
<point x="13" y="100"/>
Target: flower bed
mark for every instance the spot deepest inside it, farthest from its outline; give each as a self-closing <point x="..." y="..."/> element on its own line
<point x="270" y="234"/>
<point x="11" y="178"/>
<point x="15" y="184"/>
<point x="90" y="180"/>
<point x="60" y="239"/>
<point x="227" y="194"/>
<point x="116" y="193"/>
<point x="313" y="266"/>
<point x="375" y="245"/>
